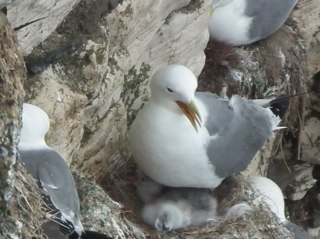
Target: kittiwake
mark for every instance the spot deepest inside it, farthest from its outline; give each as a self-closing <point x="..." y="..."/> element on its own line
<point x="241" y="22"/>
<point x="48" y="167"/>
<point x="183" y="138"/>
<point x="270" y="194"/>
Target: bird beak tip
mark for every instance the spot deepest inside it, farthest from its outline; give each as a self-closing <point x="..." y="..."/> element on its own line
<point x="192" y="113"/>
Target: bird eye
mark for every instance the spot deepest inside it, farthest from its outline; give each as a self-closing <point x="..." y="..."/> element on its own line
<point x="169" y="90"/>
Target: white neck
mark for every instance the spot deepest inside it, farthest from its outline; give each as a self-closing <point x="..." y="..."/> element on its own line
<point x="32" y="145"/>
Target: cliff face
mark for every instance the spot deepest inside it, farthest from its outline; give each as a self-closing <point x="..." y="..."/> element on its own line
<point x="94" y="93"/>
<point x="37" y="19"/>
<point x="89" y="64"/>
<point x="89" y="70"/>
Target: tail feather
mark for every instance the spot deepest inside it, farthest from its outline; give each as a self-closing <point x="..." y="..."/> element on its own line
<point x="89" y="235"/>
<point x="78" y="227"/>
<point x="279" y="106"/>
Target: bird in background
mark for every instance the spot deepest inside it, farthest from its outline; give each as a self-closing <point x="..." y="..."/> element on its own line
<point x="49" y="168"/>
<point x="242" y="22"/>
<point x="270" y="194"/>
<point x="184" y="138"/>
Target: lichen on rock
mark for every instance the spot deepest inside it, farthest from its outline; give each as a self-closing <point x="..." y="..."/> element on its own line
<point x="90" y="63"/>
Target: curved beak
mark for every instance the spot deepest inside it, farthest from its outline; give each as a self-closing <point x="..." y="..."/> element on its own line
<point x="192" y="113"/>
<point x="210" y="11"/>
<point x="52" y="121"/>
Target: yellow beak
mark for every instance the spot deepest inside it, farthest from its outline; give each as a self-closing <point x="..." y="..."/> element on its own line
<point x="210" y="11"/>
<point x="52" y="121"/>
<point x="192" y="113"/>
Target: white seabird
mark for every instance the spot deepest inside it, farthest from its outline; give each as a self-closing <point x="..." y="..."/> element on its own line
<point x="183" y="138"/>
<point x="241" y="22"/>
<point x="47" y="166"/>
<point x="270" y="193"/>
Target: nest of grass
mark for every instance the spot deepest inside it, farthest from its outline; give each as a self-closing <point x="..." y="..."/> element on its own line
<point x="259" y="222"/>
<point x="28" y="208"/>
<point x="99" y="212"/>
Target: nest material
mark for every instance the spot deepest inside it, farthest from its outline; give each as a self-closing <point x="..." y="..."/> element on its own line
<point x="27" y="210"/>
<point x="260" y="222"/>
<point x="101" y="213"/>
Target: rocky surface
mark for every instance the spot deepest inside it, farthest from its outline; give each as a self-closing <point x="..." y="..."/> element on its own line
<point x="17" y="194"/>
<point x="36" y="20"/>
<point x="89" y="65"/>
<point x="89" y="75"/>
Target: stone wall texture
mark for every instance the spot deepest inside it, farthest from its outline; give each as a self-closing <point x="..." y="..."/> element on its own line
<point x="89" y="64"/>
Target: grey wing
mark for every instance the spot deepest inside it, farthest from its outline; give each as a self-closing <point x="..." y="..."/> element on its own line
<point x="248" y="127"/>
<point x="297" y="231"/>
<point x="49" y="168"/>
<point x="220" y="113"/>
<point x="268" y="15"/>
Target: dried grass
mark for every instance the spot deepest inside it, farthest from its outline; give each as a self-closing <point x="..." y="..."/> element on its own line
<point x="28" y="209"/>
<point x="260" y="222"/>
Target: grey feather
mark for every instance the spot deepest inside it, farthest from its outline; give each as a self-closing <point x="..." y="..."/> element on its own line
<point x="53" y="174"/>
<point x="152" y="191"/>
<point x="198" y="198"/>
<point x="219" y="111"/>
<point x="243" y="129"/>
<point x="179" y="208"/>
<point x="268" y="16"/>
<point x="297" y="231"/>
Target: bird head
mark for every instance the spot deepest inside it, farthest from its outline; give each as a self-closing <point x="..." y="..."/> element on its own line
<point x="173" y="86"/>
<point x="35" y="125"/>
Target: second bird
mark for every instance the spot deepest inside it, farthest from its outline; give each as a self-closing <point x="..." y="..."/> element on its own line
<point x="241" y="22"/>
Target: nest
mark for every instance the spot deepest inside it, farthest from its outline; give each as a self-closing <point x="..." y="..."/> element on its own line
<point x="260" y="222"/>
<point x="28" y="209"/>
<point x="103" y="214"/>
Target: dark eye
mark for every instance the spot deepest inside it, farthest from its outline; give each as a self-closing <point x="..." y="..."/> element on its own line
<point x="169" y="90"/>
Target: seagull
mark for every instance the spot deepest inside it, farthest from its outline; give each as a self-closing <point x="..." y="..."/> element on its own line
<point x="242" y="22"/>
<point x="270" y="193"/>
<point x="48" y="167"/>
<point x="184" y="138"/>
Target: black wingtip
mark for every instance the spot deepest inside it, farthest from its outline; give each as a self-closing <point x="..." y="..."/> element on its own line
<point x="89" y="235"/>
<point x="4" y="10"/>
<point x="280" y="105"/>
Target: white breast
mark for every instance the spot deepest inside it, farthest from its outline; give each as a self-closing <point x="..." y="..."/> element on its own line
<point x="229" y="24"/>
<point x="170" y="151"/>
